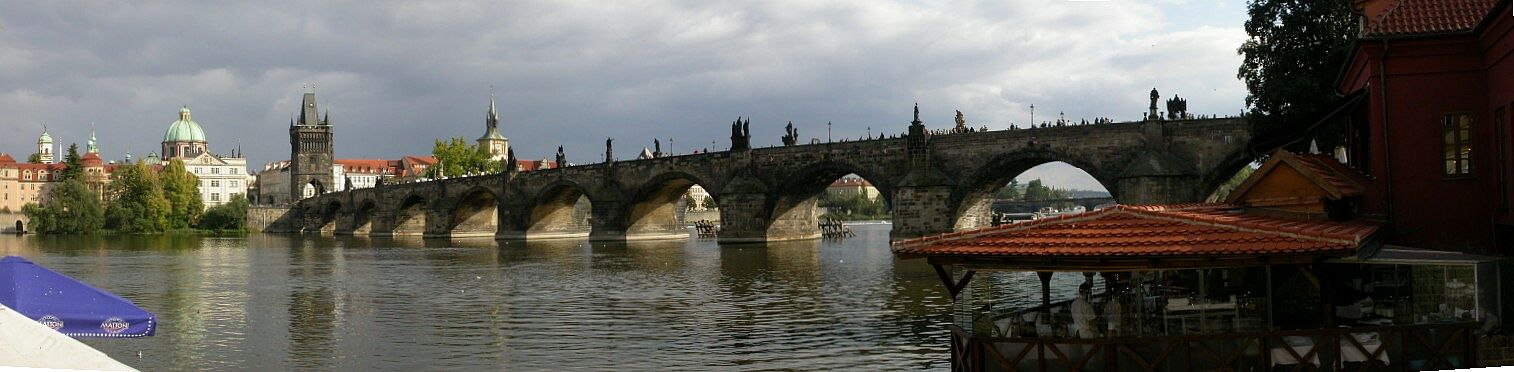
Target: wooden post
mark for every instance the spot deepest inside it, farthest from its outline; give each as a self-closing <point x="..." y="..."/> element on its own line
<point x="1045" y="289"/>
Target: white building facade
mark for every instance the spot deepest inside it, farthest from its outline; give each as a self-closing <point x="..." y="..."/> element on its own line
<point x="221" y="176"/>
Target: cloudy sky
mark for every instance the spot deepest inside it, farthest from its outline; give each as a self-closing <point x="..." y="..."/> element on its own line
<point x="397" y="75"/>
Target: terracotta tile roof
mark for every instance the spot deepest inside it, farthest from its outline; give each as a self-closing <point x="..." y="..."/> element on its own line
<point x="1428" y="17"/>
<point x="7" y="159"/>
<point x="1344" y="179"/>
<point x="1133" y="231"/>
<point x="365" y="165"/>
<point x="534" y="165"/>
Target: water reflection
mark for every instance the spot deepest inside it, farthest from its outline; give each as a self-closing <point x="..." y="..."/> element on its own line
<point x="302" y="302"/>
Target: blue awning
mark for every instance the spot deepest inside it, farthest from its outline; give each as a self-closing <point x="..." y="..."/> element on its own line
<point x="67" y="305"/>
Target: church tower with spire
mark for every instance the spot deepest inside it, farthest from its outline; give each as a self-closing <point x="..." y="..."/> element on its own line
<point x="310" y="147"/>
<point x="497" y="144"/>
<point x="45" y="147"/>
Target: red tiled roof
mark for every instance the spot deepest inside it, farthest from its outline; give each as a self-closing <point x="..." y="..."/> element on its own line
<point x="1428" y="17"/>
<point x="365" y="165"/>
<point x="1134" y="231"/>
<point x="41" y="166"/>
<point x="534" y="165"/>
<point x="7" y="159"/>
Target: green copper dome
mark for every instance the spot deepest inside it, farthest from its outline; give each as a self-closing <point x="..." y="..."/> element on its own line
<point x="184" y="129"/>
<point x="45" y="138"/>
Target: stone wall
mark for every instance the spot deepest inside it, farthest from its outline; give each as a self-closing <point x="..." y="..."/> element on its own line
<point x="271" y="220"/>
<point x="8" y="222"/>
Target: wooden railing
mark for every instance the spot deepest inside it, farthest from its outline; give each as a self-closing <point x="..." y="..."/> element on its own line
<point x="1384" y="348"/>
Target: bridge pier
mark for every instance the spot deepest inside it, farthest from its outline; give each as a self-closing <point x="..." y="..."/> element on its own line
<point x="922" y="210"/>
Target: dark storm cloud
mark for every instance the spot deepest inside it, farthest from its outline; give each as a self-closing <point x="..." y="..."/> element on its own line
<point x="397" y="75"/>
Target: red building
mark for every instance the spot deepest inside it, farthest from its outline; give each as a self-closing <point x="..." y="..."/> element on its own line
<point x="1434" y="88"/>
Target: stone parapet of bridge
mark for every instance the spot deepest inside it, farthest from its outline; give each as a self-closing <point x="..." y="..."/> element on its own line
<point x="943" y="183"/>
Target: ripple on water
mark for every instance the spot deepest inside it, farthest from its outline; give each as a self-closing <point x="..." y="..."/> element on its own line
<point x="278" y="303"/>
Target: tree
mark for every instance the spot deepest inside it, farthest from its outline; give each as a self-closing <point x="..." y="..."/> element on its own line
<point x="70" y="208"/>
<point x="182" y="190"/>
<point x="1295" y="50"/>
<point x="456" y="158"/>
<point x="73" y="166"/>
<point x="709" y="202"/>
<point x="1234" y="181"/>
<point x="1010" y="191"/>
<point x="137" y="204"/>
<point x="229" y="216"/>
<point x="34" y="158"/>
<point x="1036" y="191"/>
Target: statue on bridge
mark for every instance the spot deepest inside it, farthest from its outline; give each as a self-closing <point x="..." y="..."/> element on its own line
<point x="609" y="150"/>
<point x="1177" y="108"/>
<point x="961" y="123"/>
<point x="1152" y="114"/>
<point x="741" y="134"/>
<point x="510" y="163"/>
<point x="562" y="160"/>
<point x="790" y="135"/>
<point x="656" y="148"/>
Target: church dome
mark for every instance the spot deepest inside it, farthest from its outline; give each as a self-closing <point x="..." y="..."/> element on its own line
<point x="184" y="129"/>
<point x="45" y="138"/>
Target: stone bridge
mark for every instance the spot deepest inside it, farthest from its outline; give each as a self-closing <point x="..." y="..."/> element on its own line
<point x="932" y="183"/>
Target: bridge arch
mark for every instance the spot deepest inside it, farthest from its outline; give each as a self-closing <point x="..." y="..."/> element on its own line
<point x="561" y="209"/>
<point x="409" y="218"/>
<point x="475" y="213"/>
<point x="972" y="200"/>
<point x="1223" y="171"/>
<point x="654" y="206"/>
<point x="794" y="213"/>
<point x="362" y="218"/>
<point x="325" y="217"/>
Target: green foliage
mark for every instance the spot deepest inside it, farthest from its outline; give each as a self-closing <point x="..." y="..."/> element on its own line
<point x="73" y="166"/>
<point x="1295" y="50"/>
<point x="229" y="216"/>
<point x="1009" y="192"/>
<point x="456" y="157"/>
<point x="709" y="202"/>
<point x="182" y="189"/>
<point x="1230" y="185"/>
<point x="34" y="158"/>
<point x="853" y="207"/>
<point x="137" y="203"/>
<point x="70" y="208"/>
<point x="1035" y="190"/>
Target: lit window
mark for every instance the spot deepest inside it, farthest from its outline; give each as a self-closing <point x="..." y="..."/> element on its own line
<point x="1456" y="139"/>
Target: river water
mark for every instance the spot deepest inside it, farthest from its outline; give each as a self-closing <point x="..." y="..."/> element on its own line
<point x="272" y="302"/>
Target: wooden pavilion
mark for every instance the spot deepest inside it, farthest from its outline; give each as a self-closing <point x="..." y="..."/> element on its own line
<point x="1284" y="275"/>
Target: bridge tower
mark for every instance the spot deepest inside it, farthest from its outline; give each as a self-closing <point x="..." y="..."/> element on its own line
<point x="310" y="152"/>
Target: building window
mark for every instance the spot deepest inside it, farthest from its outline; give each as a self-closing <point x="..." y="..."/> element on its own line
<point x="215" y="170"/>
<point x="232" y="183"/>
<point x="215" y="196"/>
<point x="233" y="171"/>
<point x="1456" y="140"/>
<point x="215" y="183"/>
